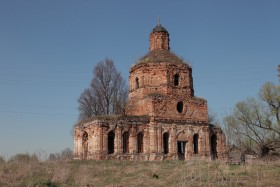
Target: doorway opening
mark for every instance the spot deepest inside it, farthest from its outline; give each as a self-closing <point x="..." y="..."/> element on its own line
<point x="181" y="147"/>
<point x="214" y="146"/>
<point x="85" y="145"/>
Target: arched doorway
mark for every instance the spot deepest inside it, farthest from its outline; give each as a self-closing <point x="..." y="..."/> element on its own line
<point x="140" y="137"/>
<point x="213" y="140"/>
<point x="85" y="145"/>
<point x="125" y="142"/>
<point x="165" y="143"/>
<point x="111" y="144"/>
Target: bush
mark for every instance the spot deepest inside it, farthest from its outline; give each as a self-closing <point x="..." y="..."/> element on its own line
<point x="26" y="158"/>
<point x="65" y="155"/>
<point x="2" y="160"/>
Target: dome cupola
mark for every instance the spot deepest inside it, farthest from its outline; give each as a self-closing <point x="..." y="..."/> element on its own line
<point x="159" y="38"/>
<point x="159" y="28"/>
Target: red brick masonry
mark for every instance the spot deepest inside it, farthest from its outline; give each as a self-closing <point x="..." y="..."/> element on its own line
<point x="165" y="120"/>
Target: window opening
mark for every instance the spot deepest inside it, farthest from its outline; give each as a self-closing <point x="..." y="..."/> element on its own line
<point x="111" y="138"/>
<point x="165" y="143"/>
<point x="176" y="80"/>
<point x="125" y="142"/>
<point x="195" y="144"/>
<point x="137" y="82"/>
<point x="180" y="106"/>
<point x="140" y="142"/>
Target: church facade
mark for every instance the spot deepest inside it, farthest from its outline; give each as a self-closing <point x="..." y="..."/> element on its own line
<point x="165" y="120"/>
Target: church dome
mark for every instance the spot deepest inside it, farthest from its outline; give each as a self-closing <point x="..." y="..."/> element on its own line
<point x="159" y="28"/>
<point x="159" y="50"/>
<point x="156" y="56"/>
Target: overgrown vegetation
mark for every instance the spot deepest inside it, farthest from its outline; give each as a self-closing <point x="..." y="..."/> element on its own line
<point x="107" y="94"/>
<point x="27" y="170"/>
<point x="255" y="123"/>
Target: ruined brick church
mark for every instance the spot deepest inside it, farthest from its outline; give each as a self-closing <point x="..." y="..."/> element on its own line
<point x="165" y="120"/>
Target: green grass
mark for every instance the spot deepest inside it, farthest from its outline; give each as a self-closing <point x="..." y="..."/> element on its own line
<point x="24" y="172"/>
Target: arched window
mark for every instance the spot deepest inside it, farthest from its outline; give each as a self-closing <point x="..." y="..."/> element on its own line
<point x="137" y="82"/>
<point x="165" y="143"/>
<point x="125" y="142"/>
<point x="214" y="146"/>
<point x="85" y="145"/>
<point x="195" y="143"/>
<point x="180" y="107"/>
<point x="176" y="80"/>
<point x="140" y="148"/>
<point x="111" y="138"/>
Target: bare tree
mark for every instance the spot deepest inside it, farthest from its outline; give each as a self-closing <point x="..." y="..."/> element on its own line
<point x="212" y="117"/>
<point x="107" y="94"/>
<point x="255" y="123"/>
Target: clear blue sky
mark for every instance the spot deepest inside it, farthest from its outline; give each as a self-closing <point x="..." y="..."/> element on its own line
<point x="49" y="48"/>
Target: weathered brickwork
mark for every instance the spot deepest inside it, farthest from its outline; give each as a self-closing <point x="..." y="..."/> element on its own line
<point x="156" y="87"/>
<point x="165" y="120"/>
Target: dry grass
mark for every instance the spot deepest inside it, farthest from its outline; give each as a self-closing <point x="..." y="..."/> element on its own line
<point x="28" y="172"/>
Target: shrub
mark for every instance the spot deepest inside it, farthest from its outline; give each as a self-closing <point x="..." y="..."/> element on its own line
<point x="26" y="158"/>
